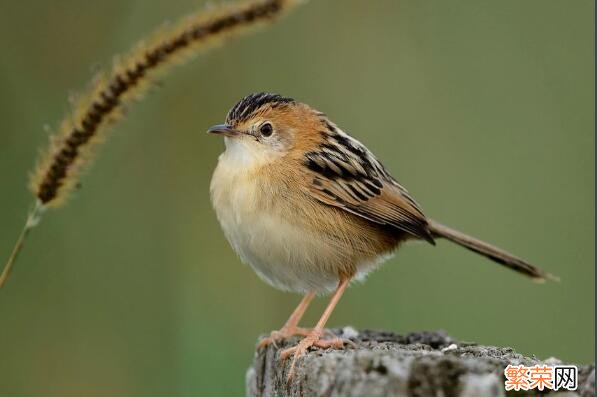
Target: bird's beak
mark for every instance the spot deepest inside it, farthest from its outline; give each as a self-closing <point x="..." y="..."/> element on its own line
<point x="223" y="129"/>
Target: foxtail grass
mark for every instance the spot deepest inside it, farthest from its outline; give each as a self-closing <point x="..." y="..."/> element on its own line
<point x="82" y="131"/>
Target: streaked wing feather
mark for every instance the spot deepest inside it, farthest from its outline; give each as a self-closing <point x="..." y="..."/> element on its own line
<point x="385" y="209"/>
<point x="345" y="174"/>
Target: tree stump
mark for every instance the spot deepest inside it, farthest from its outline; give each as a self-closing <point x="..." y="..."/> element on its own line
<point x="387" y="364"/>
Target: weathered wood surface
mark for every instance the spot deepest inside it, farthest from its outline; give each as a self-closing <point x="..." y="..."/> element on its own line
<point x="386" y="364"/>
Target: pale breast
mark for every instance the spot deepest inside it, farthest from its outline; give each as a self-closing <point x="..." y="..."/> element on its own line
<point x="293" y="245"/>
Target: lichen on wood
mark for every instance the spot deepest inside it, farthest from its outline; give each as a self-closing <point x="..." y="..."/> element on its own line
<point x="417" y="364"/>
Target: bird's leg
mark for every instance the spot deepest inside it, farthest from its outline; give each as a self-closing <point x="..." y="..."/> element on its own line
<point x="291" y="327"/>
<point x="314" y="337"/>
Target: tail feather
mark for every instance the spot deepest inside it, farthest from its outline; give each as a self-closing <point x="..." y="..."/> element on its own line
<point x="495" y="254"/>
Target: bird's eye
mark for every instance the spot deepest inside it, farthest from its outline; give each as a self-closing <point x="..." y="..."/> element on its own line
<point x="266" y="129"/>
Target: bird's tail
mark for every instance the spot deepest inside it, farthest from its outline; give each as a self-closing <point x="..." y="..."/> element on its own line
<point x="495" y="254"/>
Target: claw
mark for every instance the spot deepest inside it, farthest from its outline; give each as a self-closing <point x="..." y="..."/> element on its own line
<point x="282" y="334"/>
<point x="311" y="340"/>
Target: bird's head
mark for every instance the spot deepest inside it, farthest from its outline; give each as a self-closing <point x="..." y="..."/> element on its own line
<point x="267" y="126"/>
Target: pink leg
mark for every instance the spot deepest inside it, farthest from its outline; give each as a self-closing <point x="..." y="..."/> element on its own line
<point x="291" y="327"/>
<point x="314" y="337"/>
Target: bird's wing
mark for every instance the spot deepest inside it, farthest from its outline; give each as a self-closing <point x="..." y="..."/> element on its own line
<point x="344" y="174"/>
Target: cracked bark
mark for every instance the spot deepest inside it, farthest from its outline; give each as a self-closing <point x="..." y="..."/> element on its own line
<point x="386" y="364"/>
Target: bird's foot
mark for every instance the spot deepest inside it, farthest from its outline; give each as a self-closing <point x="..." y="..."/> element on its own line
<point x="313" y="339"/>
<point x="282" y="333"/>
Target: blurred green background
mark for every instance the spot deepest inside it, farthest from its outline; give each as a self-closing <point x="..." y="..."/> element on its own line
<point x="483" y="109"/>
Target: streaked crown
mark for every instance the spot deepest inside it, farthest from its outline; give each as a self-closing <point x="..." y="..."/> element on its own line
<point x="254" y="104"/>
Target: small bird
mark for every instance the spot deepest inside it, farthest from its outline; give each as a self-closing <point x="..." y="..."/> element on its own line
<point x="311" y="209"/>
